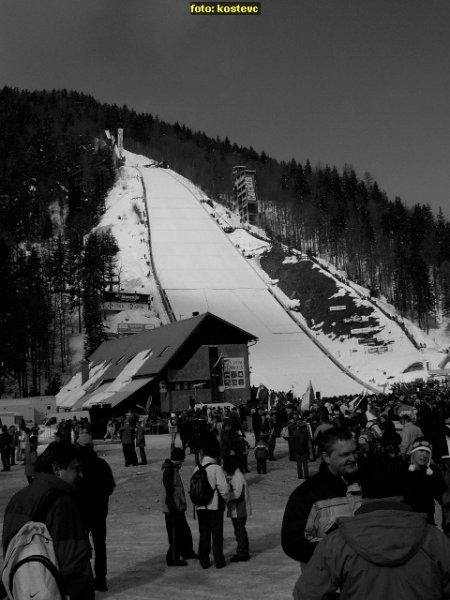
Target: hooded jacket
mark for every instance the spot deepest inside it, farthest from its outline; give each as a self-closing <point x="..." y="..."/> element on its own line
<point x="385" y="551"/>
<point x="173" y="497"/>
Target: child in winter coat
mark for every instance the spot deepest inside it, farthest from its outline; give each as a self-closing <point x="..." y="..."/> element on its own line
<point x="261" y="455"/>
<point x="238" y="507"/>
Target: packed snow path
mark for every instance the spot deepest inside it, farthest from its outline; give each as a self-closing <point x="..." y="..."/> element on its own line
<point x="200" y="270"/>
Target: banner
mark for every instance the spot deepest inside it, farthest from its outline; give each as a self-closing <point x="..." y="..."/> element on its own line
<point x="234" y="372"/>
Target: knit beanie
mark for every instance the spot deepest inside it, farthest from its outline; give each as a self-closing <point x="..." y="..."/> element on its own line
<point x="420" y="445"/>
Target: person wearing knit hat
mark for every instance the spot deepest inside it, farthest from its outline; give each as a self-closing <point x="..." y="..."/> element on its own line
<point x="420" y="456"/>
<point x="422" y="483"/>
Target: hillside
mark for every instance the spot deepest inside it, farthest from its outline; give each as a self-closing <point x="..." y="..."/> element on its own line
<point x="56" y="168"/>
<point x="359" y="336"/>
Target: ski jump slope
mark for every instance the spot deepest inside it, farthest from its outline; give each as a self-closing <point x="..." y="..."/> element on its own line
<point x="201" y="270"/>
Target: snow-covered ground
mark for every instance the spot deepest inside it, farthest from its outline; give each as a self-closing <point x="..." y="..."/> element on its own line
<point x="202" y="268"/>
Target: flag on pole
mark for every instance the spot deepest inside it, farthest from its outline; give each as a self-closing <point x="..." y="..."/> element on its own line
<point x="308" y="398"/>
<point x="358" y="401"/>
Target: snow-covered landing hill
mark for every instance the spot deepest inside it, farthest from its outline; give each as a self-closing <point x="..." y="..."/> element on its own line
<point x="201" y="268"/>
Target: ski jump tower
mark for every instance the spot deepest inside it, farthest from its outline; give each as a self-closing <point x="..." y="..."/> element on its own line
<point x="244" y="191"/>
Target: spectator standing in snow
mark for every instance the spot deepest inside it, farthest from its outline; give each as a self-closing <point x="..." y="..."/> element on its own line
<point x="173" y="429"/>
<point x="238" y="508"/>
<point x="174" y="508"/>
<point x="140" y="442"/>
<point x="93" y="492"/>
<point x="5" y="448"/>
<point x="261" y="455"/>
<point x="299" y="436"/>
<point x="422" y="482"/>
<point x="210" y="517"/>
<point x="127" y="435"/>
<point x="256" y="422"/>
<point x="57" y="471"/>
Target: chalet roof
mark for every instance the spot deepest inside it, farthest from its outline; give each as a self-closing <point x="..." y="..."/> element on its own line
<point x="120" y="367"/>
<point x="148" y="353"/>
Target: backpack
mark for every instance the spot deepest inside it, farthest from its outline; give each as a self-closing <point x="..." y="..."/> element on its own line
<point x="200" y="490"/>
<point x="30" y="568"/>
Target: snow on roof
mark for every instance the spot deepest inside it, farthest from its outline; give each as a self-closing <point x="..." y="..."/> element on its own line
<point x="70" y="393"/>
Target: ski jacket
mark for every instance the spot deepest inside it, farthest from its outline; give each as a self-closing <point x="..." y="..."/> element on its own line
<point x="312" y="510"/>
<point x="385" y="551"/>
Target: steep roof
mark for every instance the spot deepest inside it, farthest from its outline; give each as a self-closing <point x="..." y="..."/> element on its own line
<point x="154" y="349"/>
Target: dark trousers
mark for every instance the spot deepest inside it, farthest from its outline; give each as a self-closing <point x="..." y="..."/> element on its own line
<point x="291" y="452"/>
<point x="302" y="466"/>
<point x="210" y="527"/>
<point x="129" y="454"/>
<point x="180" y="537"/>
<point x="243" y="463"/>
<point x="261" y="465"/>
<point x="240" y="533"/>
<point x="142" y="455"/>
<point x="6" y="459"/>
<point x="272" y="450"/>
<point x="98" y="532"/>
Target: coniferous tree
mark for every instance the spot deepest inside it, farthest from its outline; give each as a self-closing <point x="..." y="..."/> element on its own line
<point x="99" y="253"/>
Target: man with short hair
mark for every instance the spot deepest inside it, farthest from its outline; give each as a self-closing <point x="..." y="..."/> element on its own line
<point x="57" y="470"/>
<point x="93" y="492"/>
<point x="384" y="551"/>
<point x="333" y="492"/>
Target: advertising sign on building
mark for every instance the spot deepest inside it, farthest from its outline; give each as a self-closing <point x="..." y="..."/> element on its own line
<point x="234" y="372"/>
<point x="127" y="328"/>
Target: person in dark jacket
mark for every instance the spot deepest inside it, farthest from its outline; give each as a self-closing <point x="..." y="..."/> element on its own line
<point x="93" y="492"/>
<point x="184" y="429"/>
<point x="299" y="439"/>
<point x="174" y="507"/>
<point x="389" y="436"/>
<point x="57" y="471"/>
<point x="140" y="442"/>
<point x="230" y="440"/>
<point x="422" y="482"/>
<point x="256" y="422"/>
<point x="314" y="506"/>
<point x="127" y="435"/>
<point x="5" y="448"/>
<point x="385" y="551"/>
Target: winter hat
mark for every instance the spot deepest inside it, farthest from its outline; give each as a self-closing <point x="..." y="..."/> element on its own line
<point x="420" y="445"/>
